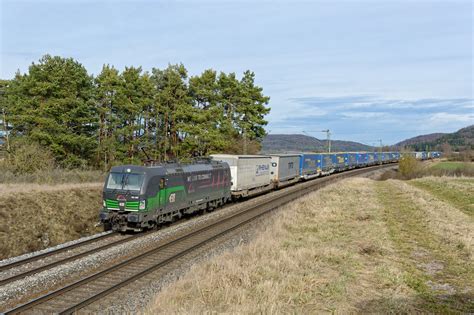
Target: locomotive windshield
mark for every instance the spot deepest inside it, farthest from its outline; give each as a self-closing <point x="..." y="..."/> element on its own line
<point x="125" y="181"/>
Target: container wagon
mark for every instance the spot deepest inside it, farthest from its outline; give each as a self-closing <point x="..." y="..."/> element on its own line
<point x="394" y="156"/>
<point x="250" y="173"/>
<point x="371" y="158"/>
<point x="285" y="169"/>
<point x="362" y="159"/>
<point x="352" y="160"/>
<point x="341" y="161"/>
<point x="309" y="167"/>
<point x="328" y="163"/>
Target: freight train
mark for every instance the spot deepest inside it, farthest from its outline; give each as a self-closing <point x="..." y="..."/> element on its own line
<point x="137" y="198"/>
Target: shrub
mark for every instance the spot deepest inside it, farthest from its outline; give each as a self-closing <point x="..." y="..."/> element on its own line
<point x="73" y="162"/>
<point x="409" y="167"/>
<point x="27" y="158"/>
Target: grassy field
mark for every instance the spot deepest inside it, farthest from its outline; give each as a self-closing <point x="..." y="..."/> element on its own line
<point x="38" y="216"/>
<point x="356" y="246"/>
<point x="449" y="166"/>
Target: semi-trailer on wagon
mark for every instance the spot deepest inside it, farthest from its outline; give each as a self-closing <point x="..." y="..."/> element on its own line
<point x="250" y="173"/>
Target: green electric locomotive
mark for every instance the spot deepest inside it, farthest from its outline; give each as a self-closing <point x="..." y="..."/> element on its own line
<point x="136" y="198"/>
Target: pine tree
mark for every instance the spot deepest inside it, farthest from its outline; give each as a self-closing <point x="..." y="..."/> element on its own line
<point x="107" y="86"/>
<point x="53" y="105"/>
<point x="209" y="132"/>
<point x="4" y="117"/>
<point x="173" y="103"/>
<point x="251" y="110"/>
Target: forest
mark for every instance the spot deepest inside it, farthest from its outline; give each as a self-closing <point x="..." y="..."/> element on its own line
<point x="86" y="121"/>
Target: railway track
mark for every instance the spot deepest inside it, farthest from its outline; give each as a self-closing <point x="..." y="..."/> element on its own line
<point x="47" y="260"/>
<point x="94" y="287"/>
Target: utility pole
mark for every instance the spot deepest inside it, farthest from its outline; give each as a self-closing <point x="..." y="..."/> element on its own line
<point x="328" y="137"/>
<point x="380" y="150"/>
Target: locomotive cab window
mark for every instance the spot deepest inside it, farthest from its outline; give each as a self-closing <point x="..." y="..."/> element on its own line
<point x="125" y="181"/>
<point x="162" y="183"/>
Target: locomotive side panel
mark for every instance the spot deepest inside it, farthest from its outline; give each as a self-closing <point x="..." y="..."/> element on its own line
<point x="207" y="182"/>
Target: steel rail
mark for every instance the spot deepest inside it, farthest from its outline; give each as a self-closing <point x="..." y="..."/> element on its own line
<point x="67" y="259"/>
<point x="53" y="252"/>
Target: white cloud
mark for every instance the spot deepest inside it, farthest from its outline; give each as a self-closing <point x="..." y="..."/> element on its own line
<point x="367" y="115"/>
<point x="443" y="117"/>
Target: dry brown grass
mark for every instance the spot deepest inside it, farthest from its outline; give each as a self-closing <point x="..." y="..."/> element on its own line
<point x="459" y="192"/>
<point x="340" y="250"/>
<point x="445" y="219"/>
<point x="26" y="188"/>
<point x="35" y="217"/>
<point x="435" y="240"/>
<point x="51" y="177"/>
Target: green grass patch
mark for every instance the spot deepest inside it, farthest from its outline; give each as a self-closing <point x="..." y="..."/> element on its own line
<point x="448" y="166"/>
<point x="433" y="268"/>
<point x="461" y="199"/>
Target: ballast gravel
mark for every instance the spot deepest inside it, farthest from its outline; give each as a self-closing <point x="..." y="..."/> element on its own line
<point x="50" y="249"/>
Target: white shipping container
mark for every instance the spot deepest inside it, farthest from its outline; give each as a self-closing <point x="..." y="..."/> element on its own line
<point x="247" y="171"/>
<point x="284" y="167"/>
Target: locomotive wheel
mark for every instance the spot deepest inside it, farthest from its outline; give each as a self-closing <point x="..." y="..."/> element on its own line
<point x="107" y="226"/>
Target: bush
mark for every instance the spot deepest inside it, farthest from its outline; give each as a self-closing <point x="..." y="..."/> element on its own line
<point x="409" y="167"/>
<point x="27" y="158"/>
<point x="73" y="162"/>
<point x="32" y="163"/>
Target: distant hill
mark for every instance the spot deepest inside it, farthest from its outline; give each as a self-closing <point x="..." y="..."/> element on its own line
<point x="420" y="139"/>
<point x="279" y="143"/>
<point x="460" y="140"/>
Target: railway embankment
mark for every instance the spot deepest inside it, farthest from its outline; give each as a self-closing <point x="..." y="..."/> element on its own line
<point x="36" y="216"/>
<point x="355" y="246"/>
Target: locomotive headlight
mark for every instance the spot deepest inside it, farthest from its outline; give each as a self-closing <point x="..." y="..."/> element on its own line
<point x="142" y="205"/>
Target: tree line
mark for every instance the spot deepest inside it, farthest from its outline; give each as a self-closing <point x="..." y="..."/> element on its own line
<point x="106" y="119"/>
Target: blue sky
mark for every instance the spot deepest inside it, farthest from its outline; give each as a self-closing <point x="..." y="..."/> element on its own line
<point x="366" y="70"/>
